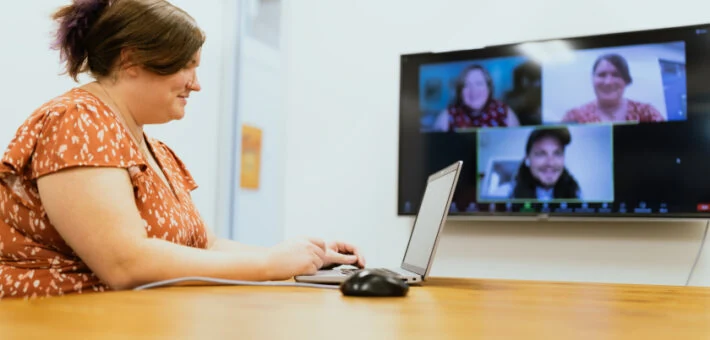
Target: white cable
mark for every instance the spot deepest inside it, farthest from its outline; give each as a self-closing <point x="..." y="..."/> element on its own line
<point x="232" y="283"/>
<point x="700" y="251"/>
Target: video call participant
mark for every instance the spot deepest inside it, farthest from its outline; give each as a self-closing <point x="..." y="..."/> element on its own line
<point x="610" y="77"/>
<point x="542" y="174"/>
<point x="474" y="105"/>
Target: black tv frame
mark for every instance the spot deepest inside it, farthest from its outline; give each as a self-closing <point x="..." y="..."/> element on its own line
<point x="697" y="39"/>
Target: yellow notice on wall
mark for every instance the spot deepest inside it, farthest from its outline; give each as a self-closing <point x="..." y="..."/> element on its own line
<point x="251" y="157"/>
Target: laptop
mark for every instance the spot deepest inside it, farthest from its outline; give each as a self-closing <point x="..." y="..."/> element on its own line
<point x="423" y="239"/>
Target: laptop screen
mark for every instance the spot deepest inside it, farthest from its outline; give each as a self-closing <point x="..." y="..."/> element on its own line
<point x="432" y="213"/>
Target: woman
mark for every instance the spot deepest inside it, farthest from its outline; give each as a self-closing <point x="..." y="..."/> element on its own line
<point x="542" y="174"/>
<point x="610" y="77"/>
<point x="88" y="202"/>
<point x="473" y="105"/>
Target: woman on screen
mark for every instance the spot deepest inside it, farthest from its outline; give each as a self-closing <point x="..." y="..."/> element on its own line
<point x="542" y="174"/>
<point x="473" y="105"/>
<point x="610" y="77"/>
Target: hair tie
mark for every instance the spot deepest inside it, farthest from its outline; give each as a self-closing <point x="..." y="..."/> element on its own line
<point x="86" y="12"/>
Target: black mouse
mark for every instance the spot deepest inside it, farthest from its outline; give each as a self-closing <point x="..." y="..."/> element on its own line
<point x="374" y="282"/>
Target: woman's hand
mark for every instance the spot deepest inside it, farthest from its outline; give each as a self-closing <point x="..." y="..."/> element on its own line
<point x="294" y="257"/>
<point x="343" y="253"/>
<point x="307" y="256"/>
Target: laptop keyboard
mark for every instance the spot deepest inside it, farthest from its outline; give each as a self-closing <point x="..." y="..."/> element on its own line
<point x="348" y="271"/>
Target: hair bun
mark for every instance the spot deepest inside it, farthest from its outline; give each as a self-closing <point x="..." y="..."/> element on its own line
<point x="85" y="13"/>
<point x="74" y="23"/>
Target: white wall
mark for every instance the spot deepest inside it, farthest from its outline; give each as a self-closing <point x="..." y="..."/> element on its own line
<point x="31" y="69"/>
<point x="257" y="214"/>
<point x="32" y="76"/>
<point x="342" y="138"/>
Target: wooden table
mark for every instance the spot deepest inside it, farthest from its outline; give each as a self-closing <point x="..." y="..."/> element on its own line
<point x="441" y="309"/>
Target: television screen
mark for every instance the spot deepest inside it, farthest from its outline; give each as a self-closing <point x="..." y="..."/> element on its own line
<point x="615" y="125"/>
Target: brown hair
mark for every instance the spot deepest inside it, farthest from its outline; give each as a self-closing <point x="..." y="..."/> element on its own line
<point x="461" y="83"/>
<point x="161" y="37"/>
<point x="619" y="63"/>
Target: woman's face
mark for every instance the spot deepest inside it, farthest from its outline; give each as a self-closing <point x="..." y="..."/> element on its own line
<point x="163" y="98"/>
<point x="547" y="160"/>
<point x="475" y="91"/>
<point x="608" y="84"/>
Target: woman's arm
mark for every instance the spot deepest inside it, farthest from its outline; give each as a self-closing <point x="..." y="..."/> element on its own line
<point x="93" y="209"/>
<point x="226" y="245"/>
<point x="336" y="253"/>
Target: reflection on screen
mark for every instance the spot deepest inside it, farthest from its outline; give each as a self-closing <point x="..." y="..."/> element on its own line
<point x="431" y="212"/>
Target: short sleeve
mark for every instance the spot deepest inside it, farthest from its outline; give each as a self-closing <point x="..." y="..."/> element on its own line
<point x="569" y="117"/>
<point x="582" y="114"/>
<point x="81" y="133"/>
<point x="651" y="114"/>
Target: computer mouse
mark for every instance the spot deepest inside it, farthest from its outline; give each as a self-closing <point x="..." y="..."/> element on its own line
<point x="374" y="282"/>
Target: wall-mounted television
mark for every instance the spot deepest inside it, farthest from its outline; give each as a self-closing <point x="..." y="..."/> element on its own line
<point x="606" y="126"/>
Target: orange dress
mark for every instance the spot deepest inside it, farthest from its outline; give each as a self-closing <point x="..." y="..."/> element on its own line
<point x="78" y="129"/>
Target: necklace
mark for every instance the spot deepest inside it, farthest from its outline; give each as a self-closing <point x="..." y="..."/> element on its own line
<point x="140" y="141"/>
